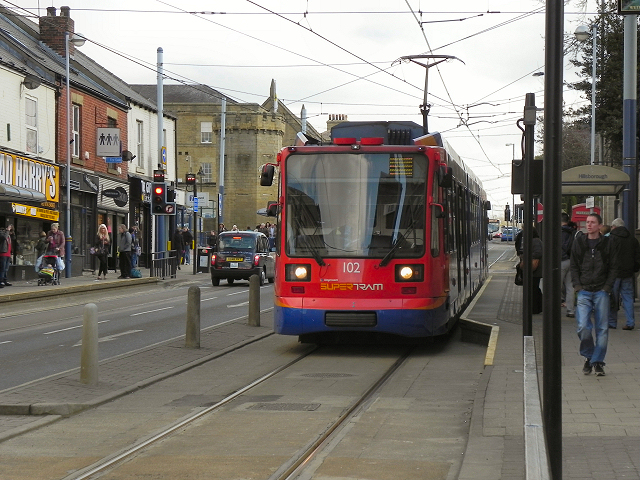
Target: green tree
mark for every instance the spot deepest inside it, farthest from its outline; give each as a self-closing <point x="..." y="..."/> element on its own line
<point x="609" y="81"/>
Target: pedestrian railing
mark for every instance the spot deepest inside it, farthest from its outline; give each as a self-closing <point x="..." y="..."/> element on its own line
<point x="164" y="264"/>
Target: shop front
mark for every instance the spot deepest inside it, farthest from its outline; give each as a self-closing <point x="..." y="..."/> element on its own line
<point x="141" y="217"/>
<point x="113" y="210"/>
<point x="84" y="198"/>
<point x="30" y="201"/>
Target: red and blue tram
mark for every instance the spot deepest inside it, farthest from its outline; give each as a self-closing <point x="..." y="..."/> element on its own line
<point x="383" y="230"/>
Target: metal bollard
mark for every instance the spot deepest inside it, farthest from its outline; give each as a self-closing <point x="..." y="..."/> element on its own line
<point x="89" y="351"/>
<point x="254" y="301"/>
<point x="192" y="336"/>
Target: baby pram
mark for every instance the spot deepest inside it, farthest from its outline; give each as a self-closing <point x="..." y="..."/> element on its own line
<point x="47" y="267"/>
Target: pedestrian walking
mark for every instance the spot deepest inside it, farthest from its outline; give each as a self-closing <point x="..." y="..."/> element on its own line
<point x="593" y="260"/>
<point x="567" y="234"/>
<point x="101" y="250"/>
<point x="629" y="263"/>
<point x="187" y="237"/>
<point x="41" y="245"/>
<point x="124" y="251"/>
<point x="6" y="250"/>
<point x="177" y="244"/>
<point x="135" y="246"/>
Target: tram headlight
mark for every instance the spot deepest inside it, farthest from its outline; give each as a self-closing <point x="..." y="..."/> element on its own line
<point x="298" y="272"/>
<point x="409" y="273"/>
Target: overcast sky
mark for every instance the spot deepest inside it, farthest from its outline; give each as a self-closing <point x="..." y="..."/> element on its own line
<point x="338" y="57"/>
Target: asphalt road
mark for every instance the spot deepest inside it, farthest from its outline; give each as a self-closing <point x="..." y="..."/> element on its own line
<point x="42" y="338"/>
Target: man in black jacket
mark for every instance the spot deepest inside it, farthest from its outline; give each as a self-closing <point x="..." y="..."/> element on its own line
<point x="629" y="254"/>
<point x="593" y="260"/>
<point x="567" y="234"/>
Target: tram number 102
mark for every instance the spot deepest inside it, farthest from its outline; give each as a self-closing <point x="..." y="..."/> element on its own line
<point x="351" y="267"/>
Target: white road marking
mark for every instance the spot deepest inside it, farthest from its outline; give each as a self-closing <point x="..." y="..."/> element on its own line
<point x="150" y="311"/>
<point x="109" y="338"/>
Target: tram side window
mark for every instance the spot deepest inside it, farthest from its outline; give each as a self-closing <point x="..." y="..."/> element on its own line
<point x="435" y="221"/>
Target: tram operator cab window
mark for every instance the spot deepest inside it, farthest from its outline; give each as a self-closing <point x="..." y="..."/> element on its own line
<point x="355" y="205"/>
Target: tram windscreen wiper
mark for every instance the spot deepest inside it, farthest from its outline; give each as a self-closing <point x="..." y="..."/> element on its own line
<point x="310" y="246"/>
<point x="401" y="237"/>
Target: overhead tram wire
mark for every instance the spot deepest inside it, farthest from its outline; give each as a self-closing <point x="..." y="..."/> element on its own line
<point x="195" y="84"/>
<point x="295" y="53"/>
<point x="463" y="122"/>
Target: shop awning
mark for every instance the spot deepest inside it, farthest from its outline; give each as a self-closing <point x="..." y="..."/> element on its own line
<point x="593" y="180"/>
<point x="10" y="193"/>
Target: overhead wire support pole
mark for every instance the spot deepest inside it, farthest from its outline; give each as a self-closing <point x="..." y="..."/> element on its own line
<point x="530" y="112"/>
<point x="551" y="236"/>
<point x="425" y="107"/>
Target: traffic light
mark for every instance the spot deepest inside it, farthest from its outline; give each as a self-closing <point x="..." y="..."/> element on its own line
<point x="158" y="198"/>
<point x="190" y="179"/>
<point x="507" y="214"/>
<point x="160" y="204"/>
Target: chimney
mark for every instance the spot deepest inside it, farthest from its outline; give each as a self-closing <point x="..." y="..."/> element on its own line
<point x="52" y="29"/>
<point x="335" y="119"/>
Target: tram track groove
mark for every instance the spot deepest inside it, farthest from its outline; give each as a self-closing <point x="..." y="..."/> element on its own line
<point x="300" y="463"/>
<point x="113" y="461"/>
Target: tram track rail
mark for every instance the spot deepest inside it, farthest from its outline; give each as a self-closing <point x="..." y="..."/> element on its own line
<point x="112" y="461"/>
<point x="301" y="463"/>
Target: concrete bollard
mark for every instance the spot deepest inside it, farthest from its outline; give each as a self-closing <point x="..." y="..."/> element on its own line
<point x="254" y="301"/>
<point x="192" y="337"/>
<point x="89" y="351"/>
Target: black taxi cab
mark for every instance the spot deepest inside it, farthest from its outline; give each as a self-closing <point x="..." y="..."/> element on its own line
<point x="240" y="255"/>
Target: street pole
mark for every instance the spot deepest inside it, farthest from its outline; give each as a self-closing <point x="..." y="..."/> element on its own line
<point x="159" y="219"/>
<point x="630" y="100"/>
<point x="69" y="238"/>
<point x="594" y="57"/>
<point x="551" y="237"/>
<point x="530" y="112"/>
<point x="223" y="128"/>
<point x="195" y="225"/>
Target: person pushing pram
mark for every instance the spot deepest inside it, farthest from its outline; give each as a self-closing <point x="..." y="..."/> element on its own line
<point x="51" y="263"/>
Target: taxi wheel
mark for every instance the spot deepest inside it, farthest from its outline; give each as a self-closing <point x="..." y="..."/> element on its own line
<point x="230" y="281"/>
<point x="263" y="277"/>
<point x="215" y="282"/>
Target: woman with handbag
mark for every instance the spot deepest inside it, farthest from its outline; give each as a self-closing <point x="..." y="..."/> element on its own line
<point x="101" y="249"/>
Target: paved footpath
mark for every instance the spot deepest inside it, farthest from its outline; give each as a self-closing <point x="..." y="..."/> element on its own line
<point x="601" y="415"/>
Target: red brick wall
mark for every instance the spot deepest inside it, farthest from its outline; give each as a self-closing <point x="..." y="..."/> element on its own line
<point x="93" y="114"/>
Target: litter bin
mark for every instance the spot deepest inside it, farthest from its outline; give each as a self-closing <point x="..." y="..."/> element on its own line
<point x="204" y="259"/>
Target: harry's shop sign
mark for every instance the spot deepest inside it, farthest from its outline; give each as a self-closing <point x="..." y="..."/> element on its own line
<point x="33" y="181"/>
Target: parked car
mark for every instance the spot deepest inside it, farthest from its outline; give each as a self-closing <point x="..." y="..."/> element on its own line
<point x="240" y="255"/>
<point x="508" y="234"/>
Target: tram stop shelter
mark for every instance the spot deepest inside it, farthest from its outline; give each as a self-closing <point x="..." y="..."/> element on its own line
<point x="596" y="180"/>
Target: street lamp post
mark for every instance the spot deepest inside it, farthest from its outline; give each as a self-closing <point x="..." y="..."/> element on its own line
<point x="582" y="35"/>
<point x="78" y="42"/>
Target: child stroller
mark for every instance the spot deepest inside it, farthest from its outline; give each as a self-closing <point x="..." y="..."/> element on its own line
<point x="47" y="268"/>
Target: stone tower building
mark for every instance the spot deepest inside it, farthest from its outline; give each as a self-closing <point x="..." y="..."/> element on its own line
<point x="254" y="136"/>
